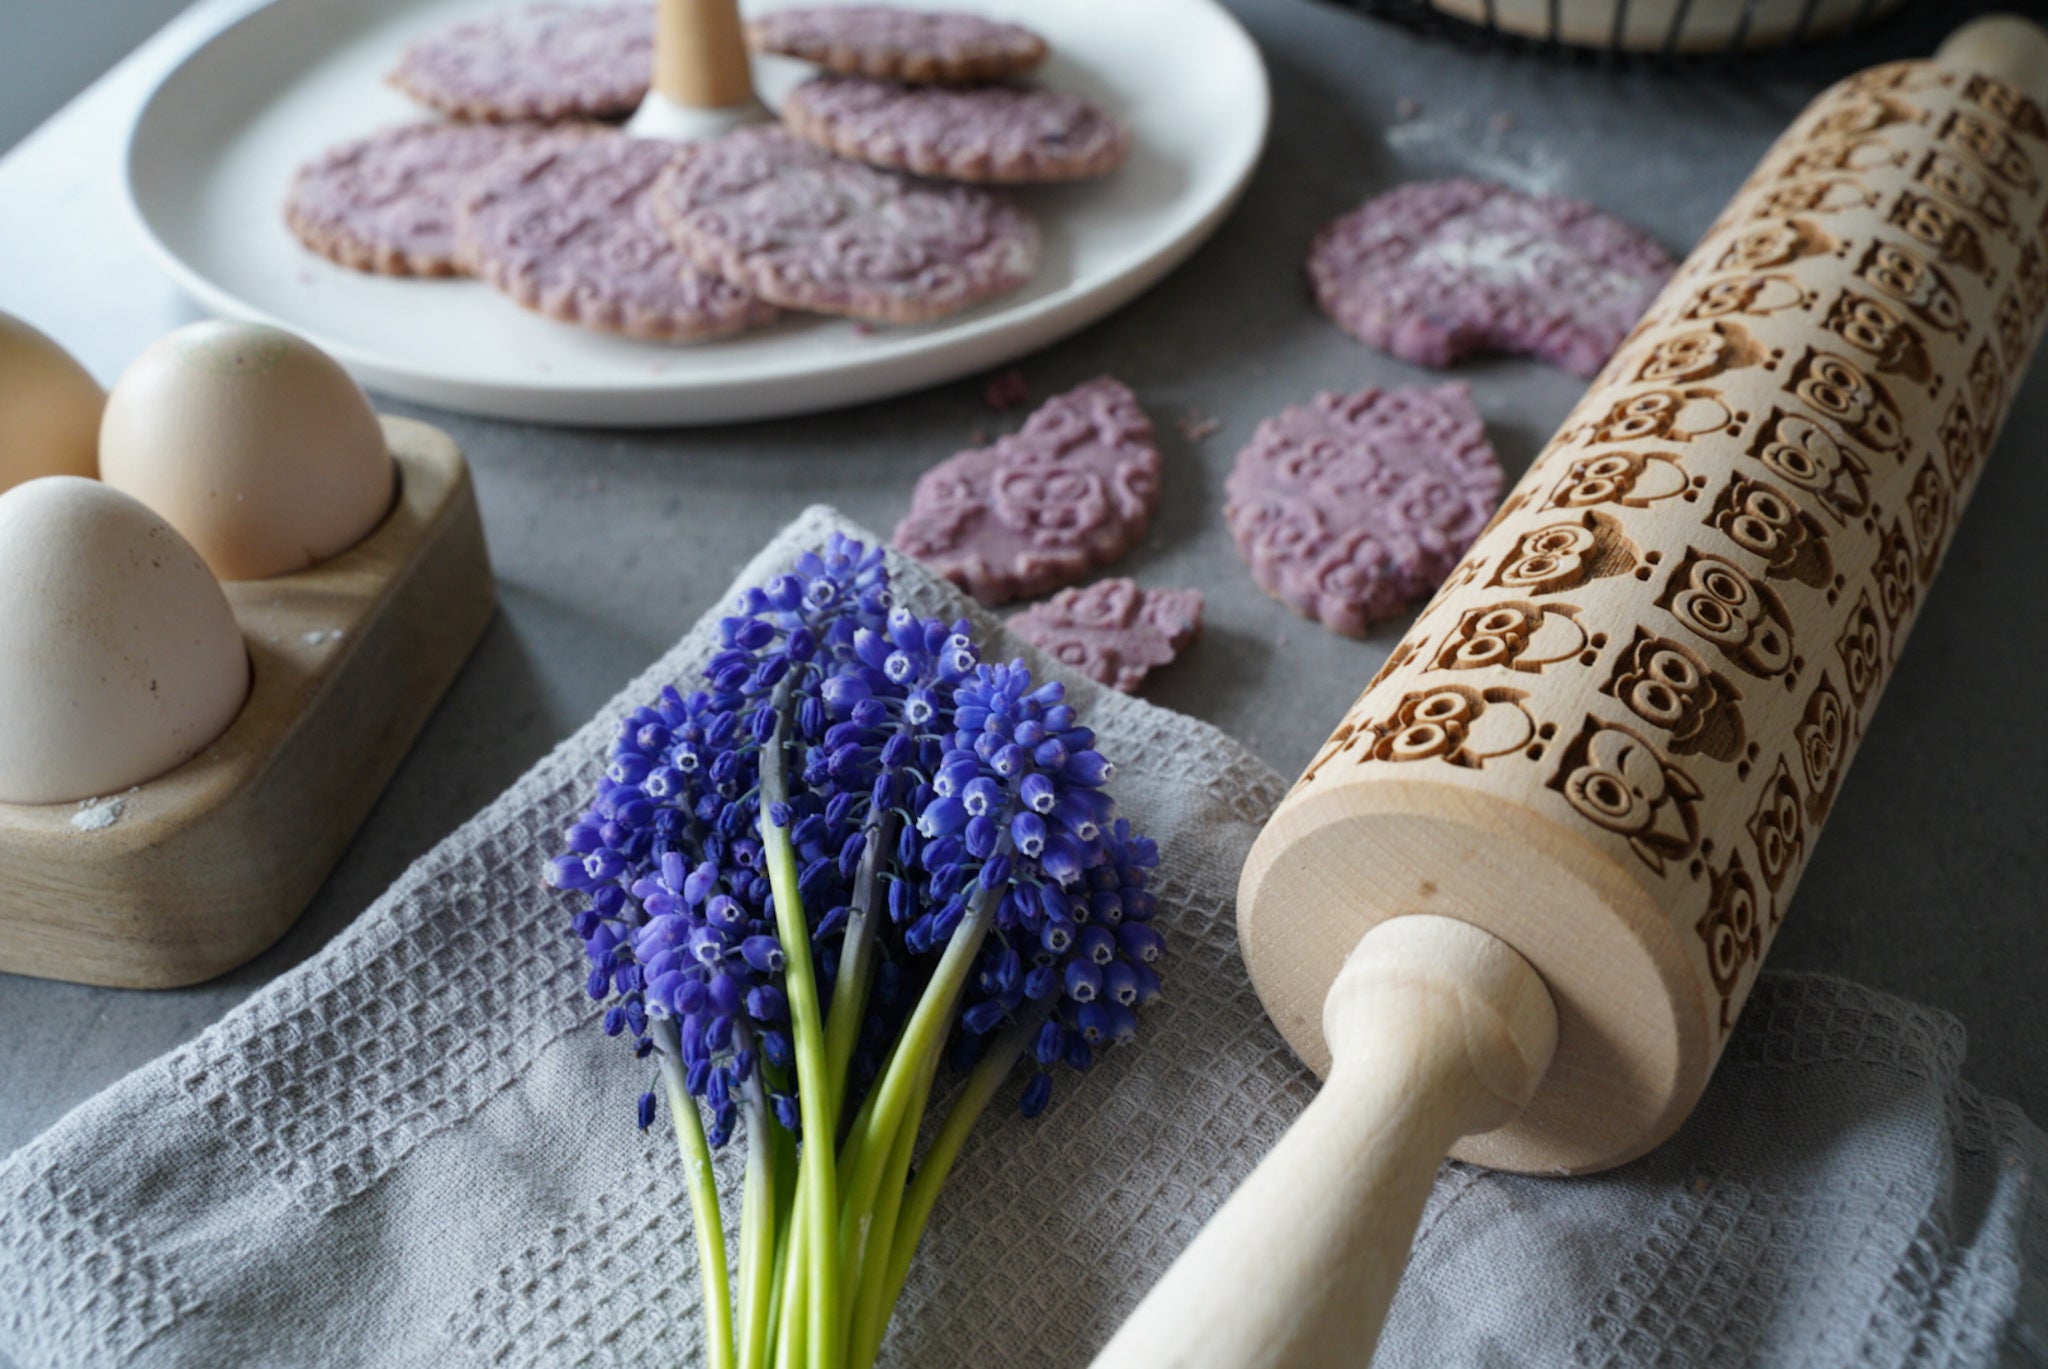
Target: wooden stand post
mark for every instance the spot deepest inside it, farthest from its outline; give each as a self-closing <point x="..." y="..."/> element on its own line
<point x="703" y="82"/>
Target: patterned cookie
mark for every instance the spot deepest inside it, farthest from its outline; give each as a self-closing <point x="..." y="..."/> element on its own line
<point x="386" y="203"/>
<point x="1350" y="508"/>
<point x="802" y="228"/>
<point x="567" y="229"/>
<point x="1112" y="631"/>
<point x="906" y="45"/>
<point x="1439" y="270"/>
<point x="546" y="61"/>
<point x="1008" y="135"/>
<point x="1071" y="490"/>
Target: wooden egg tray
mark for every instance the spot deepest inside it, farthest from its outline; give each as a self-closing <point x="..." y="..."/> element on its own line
<point x="207" y="865"/>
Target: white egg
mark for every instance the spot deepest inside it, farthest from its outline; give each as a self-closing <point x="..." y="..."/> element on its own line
<point x="251" y="442"/>
<point x="119" y="655"/>
<point x="49" y="408"/>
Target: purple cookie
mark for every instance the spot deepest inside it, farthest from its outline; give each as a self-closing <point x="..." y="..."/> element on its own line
<point x="1071" y="490"/>
<point x="567" y="230"/>
<point x="1439" y="270"/>
<point x="802" y="228"/>
<point x="1112" y="631"/>
<point x="1007" y="135"/>
<point x="546" y="61"/>
<point x="907" y="45"/>
<point x="1351" y="508"/>
<point x="386" y="203"/>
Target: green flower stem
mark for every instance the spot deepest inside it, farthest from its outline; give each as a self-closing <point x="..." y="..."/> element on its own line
<point x="988" y="1076"/>
<point x="785" y="1165"/>
<point x="862" y="1117"/>
<point x="702" y="1185"/>
<point x="923" y="1037"/>
<point x="776" y="1298"/>
<point x="856" y="962"/>
<point x="757" y="1230"/>
<point x="865" y="1295"/>
<point x="790" y="1319"/>
<point x="800" y="985"/>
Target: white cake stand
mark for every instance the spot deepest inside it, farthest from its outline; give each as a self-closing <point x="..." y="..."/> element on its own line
<point x="215" y="145"/>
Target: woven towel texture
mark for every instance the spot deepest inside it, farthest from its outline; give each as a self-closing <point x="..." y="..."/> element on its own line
<point x="417" y="1148"/>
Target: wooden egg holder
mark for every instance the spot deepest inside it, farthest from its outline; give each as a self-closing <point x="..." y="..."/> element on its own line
<point x="207" y="865"/>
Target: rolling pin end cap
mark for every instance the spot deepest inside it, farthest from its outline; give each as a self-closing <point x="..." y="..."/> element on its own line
<point x="2007" y="46"/>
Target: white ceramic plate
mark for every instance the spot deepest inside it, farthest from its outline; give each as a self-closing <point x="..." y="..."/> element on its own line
<point x="215" y="145"/>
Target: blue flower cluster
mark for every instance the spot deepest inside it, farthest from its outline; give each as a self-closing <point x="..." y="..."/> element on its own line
<point x="922" y="789"/>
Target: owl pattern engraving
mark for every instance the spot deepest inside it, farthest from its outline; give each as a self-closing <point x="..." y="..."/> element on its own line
<point x="1743" y="618"/>
<point x="1514" y="635"/>
<point x="1777" y="827"/>
<point x="1613" y="778"/>
<point x="1734" y="928"/>
<point x="1860" y="649"/>
<point x="1800" y="451"/>
<point x="1890" y="345"/>
<point x="1455" y="724"/>
<point x="1769" y="524"/>
<point x="1634" y="479"/>
<point x="1673" y="690"/>
<point x="1566" y="554"/>
<point x="1941" y="228"/>
<point x="1676" y="416"/>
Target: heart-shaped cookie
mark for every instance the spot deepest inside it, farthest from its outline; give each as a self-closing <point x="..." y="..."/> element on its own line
<point x="1440" y="270"/>
<point x="1072" y="490"/>
<point x="1350" y="508"/>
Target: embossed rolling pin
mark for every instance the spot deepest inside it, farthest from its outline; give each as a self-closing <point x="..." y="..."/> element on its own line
<point x="1512" y="909"/>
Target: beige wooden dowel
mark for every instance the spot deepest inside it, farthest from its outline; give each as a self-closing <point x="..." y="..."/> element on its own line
<point x="1437" y="1030"/>
<point x="700" y="54"/>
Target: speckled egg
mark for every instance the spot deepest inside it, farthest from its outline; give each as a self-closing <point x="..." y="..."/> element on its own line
<point x="251" y="442"/>
<point x="119" y="655"/>
<point x="49" y="408"/>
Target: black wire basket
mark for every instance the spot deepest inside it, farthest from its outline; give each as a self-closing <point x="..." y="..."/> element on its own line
<point x="1670" y="28"/>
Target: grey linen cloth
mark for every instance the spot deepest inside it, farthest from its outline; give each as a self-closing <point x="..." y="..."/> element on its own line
<point x="417" y="1148"/>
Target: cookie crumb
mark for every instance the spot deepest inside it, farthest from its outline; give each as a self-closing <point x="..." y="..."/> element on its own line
<point x="1112" y="631"/>
<point x="1006" y="391"/>
<point x="97" y="815"/>
<point x="1502" y="122"/>
<point x="1196" y="425"/>
<point x="1406" y="109"/>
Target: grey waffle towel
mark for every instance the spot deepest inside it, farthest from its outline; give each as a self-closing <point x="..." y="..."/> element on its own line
<point x="417" y="1149"/>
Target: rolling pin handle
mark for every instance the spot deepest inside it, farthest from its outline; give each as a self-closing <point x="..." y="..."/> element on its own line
<point x="1437" y="1030"/>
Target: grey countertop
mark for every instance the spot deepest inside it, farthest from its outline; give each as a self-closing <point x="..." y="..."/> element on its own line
<point x="1931" y="881"/>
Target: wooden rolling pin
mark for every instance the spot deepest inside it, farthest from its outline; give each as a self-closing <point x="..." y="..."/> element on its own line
<point x="1512" y="909"/>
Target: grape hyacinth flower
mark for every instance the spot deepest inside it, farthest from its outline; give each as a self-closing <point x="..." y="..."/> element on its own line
<point x="854" y="852"/>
